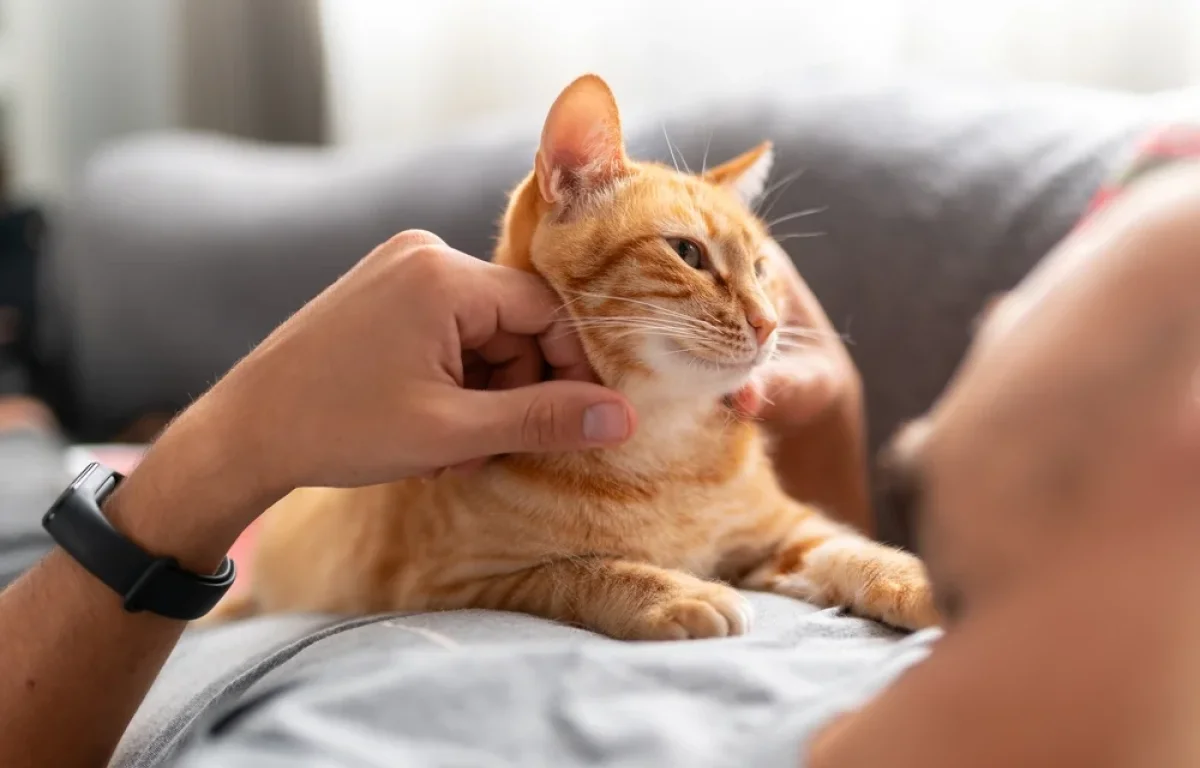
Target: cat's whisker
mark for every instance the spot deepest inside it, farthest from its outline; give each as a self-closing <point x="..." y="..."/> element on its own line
<point x="716" y="320"/>
<point x="811" y="339"/>
<point x="670" y="336"/>
<point x="796" y="347"/>
<point x="780" y="186"/>
<point x="567" y="304"/>
<point x="671" y="148"/>
<point x="669" y="352"/>
<point x="793" y="235"/>
<point x="653" y="307"/>
<point x="636" y="323"/>
<point x="656" y="321"/>
<point x="647" y="328"/>
<point x="808" y="333"/>
<point x="630" y="326"/>
<point x="704" y="160"/>
<point x="620" y="324"/>
<point x="644" y="318"/>
<point x="690" y="333"/>
<point x="806" y="342"/>
<point x="797" y="215"/>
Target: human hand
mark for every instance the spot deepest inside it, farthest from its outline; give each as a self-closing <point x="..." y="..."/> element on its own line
<point x="420" y="358"/>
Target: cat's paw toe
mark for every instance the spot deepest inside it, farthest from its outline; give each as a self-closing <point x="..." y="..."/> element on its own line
<point x="919" y="610"/>
<point x="905" y="598"/>
<point x="712" y="610"/>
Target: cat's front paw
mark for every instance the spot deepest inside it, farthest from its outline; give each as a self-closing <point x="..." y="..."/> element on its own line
<point x="693" y="612"/>
<point x="898" y="592"/>
<point x="874" y="581"/>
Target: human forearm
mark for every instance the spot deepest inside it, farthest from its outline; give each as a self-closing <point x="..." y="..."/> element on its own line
<point x="823" y="462"/>
<point x="328" y="399"/>
<point x="75" y="664"/>
<point x="813" y="405"/>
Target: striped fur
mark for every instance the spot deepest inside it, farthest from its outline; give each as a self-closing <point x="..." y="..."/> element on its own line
<point x="642" y="542"/>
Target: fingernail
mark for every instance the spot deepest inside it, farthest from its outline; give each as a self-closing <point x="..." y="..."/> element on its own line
<point x="605" y="423"/>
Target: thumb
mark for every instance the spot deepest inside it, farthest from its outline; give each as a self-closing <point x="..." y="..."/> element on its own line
<point x="551" y="416"/>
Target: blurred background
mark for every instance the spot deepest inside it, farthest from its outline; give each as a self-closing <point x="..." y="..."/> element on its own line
<point x="75" y="74"/>
<point x="941" y="171"/>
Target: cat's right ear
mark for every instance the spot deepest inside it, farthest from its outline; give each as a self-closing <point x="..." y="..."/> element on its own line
<point x="582" y="149"/>
<point x="746" y="175"/>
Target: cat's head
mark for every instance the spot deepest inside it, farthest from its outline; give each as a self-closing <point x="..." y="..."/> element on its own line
<point x="663" y="272"/>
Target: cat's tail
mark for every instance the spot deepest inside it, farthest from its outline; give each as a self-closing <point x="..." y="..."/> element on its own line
<point x="240" y="605"/>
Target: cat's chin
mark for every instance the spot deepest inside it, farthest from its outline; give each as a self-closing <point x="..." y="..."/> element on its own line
<point x="701" y="380"/>
<point x="697" y="365"/>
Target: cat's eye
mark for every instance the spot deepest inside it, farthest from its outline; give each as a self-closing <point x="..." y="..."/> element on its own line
<point x="691" y="253"/>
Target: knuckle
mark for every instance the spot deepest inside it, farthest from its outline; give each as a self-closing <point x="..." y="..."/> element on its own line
<point x="426" y="264"/>
<point x="426" y="258"/>
<point x="543" y="423"/>
<point x="413" y="239"/>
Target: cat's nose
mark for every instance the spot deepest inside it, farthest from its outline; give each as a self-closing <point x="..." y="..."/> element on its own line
<point x="764" y="324"/>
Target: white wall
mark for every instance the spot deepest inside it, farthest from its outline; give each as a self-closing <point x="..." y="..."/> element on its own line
<point x="409" y="70"/>
<point x="25" y="96"/>
<point x="87" y="71"/>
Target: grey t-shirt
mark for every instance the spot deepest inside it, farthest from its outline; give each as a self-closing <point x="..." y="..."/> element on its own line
<point x="478" y="688"/>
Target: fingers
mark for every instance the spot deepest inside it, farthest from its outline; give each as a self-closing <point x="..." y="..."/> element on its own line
<point x="493" y="300"/>
<point x="552" y="416"/>
<point x="484" y="298"/>
<point x="797" y="304"/>
<point x="488" y="298"/>
<point x="748" y="401"/>
<point x="581" y="371"/>
<point x="515" y="360"/>
<point x="562" y="347"/>
<point x="526" y="305"/>
<point x="508" y="361"/>
<point x="793" y="393"/>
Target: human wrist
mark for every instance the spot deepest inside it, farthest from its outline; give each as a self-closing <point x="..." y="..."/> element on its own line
<point x="195" y="491"/>
<point x="823" y="461"/>
<point x="837" y="394"/>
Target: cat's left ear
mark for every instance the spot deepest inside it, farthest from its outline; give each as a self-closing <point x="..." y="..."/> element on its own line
<point x="746" y="175"/>
<point x="582" y="149"/>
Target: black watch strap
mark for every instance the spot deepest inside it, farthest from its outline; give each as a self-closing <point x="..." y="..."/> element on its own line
<point x="144" y="582"/>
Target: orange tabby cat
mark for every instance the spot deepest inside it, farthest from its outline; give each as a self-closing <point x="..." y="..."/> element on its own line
<point x="664" y="276"/>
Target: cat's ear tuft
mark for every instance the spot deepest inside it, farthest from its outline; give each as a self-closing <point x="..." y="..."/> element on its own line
<point x="582" y="148"/>
<point x="746" y="175"/>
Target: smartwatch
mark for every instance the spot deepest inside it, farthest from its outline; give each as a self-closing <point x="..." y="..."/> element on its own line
<point x="144" y="581"/>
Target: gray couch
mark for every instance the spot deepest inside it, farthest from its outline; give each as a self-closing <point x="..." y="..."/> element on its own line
<point x="179" y="252"/>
